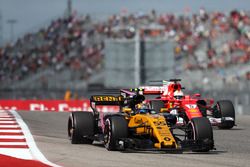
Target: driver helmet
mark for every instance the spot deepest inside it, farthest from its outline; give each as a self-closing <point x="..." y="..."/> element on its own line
<point x="178" y="94"/>
<point x="142" y="107"/>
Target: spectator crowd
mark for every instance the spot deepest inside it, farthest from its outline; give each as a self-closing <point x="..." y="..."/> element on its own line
<point x="203" y="40"/>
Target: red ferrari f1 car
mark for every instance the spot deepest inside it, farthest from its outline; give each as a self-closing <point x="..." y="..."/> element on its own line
<point x="180" y="109"/>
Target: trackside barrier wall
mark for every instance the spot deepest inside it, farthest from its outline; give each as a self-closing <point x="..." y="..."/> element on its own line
<point x="52" y="105"/>
<point x="241" y="104"/>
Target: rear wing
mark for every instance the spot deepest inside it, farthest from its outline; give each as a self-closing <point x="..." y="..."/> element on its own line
<point x="107" y="100"/>
<point x="144" y="90"/>
<point x="153" y="90"/>
<point x="121" y="101"/>
<point x="158" y="87"/>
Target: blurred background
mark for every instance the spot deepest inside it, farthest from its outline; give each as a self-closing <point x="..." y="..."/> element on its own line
<point x="55" y="49"/>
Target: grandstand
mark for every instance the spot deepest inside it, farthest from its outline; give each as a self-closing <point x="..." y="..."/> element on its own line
<point x="210" y="51"/>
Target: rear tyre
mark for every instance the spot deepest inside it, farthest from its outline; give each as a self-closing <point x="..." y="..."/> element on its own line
<point x="202" y="134"/>
<point x="116" y="127"/>
<point x="225" y="108"/>
<point x="157" y="105"/>
<point x="81" y="127"/>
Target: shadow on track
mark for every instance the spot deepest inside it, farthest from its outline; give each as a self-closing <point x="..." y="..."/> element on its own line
<point x="131" y="151"/>
<point x="234" y="129"/>
<point x="214" y="152"/>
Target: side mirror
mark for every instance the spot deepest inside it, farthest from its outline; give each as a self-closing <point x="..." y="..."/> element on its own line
<point x="163" y="110"/>
<point x="210" y="101"/>
<point x="197" y="95"/>
<point x="127" y="110"/>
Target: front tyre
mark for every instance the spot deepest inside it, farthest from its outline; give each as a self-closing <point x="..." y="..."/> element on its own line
<point x="225" y="110"/>
<point x="116" y="127"/>
<point x="202" y="134"/>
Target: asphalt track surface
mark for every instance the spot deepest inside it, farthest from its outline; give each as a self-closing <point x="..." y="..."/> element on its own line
<point x="50" y="133"/>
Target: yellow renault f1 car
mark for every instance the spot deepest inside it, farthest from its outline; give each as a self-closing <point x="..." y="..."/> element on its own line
<point x="138" y="129"/>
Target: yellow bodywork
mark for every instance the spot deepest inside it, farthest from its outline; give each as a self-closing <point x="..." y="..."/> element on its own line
<point x="154" y="125"/>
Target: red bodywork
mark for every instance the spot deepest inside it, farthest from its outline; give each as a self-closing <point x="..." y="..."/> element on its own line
<point x="187" y="104"/>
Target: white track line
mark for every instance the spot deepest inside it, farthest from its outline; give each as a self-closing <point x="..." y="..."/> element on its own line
<point x="30" y="141"/>
<point x="9" y="126"/>
<point x="7" y="122"/>
<point x="3" y="111"/>
<point x="11" y="130"/>
<point x="19" y="152"/>
<point x="12" y="137"/>
<point x="13" y="143"/>
<point x="7" y="118"/>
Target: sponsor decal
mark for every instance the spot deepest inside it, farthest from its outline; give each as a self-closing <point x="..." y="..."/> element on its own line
<point x="190" y="106"/>
<point x="107" y="98"/>
<point x="154" y="89"/>
<point x="53" y="105"/>
<point x="193" y="110"/>
<point x="167" y="139"/>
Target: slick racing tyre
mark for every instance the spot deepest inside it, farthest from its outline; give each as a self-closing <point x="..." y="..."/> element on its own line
<point x="116" y="127"/>
<point x="202" y="134"/>
<point x="80" y="127"/>
<point x="225" y="109"/>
